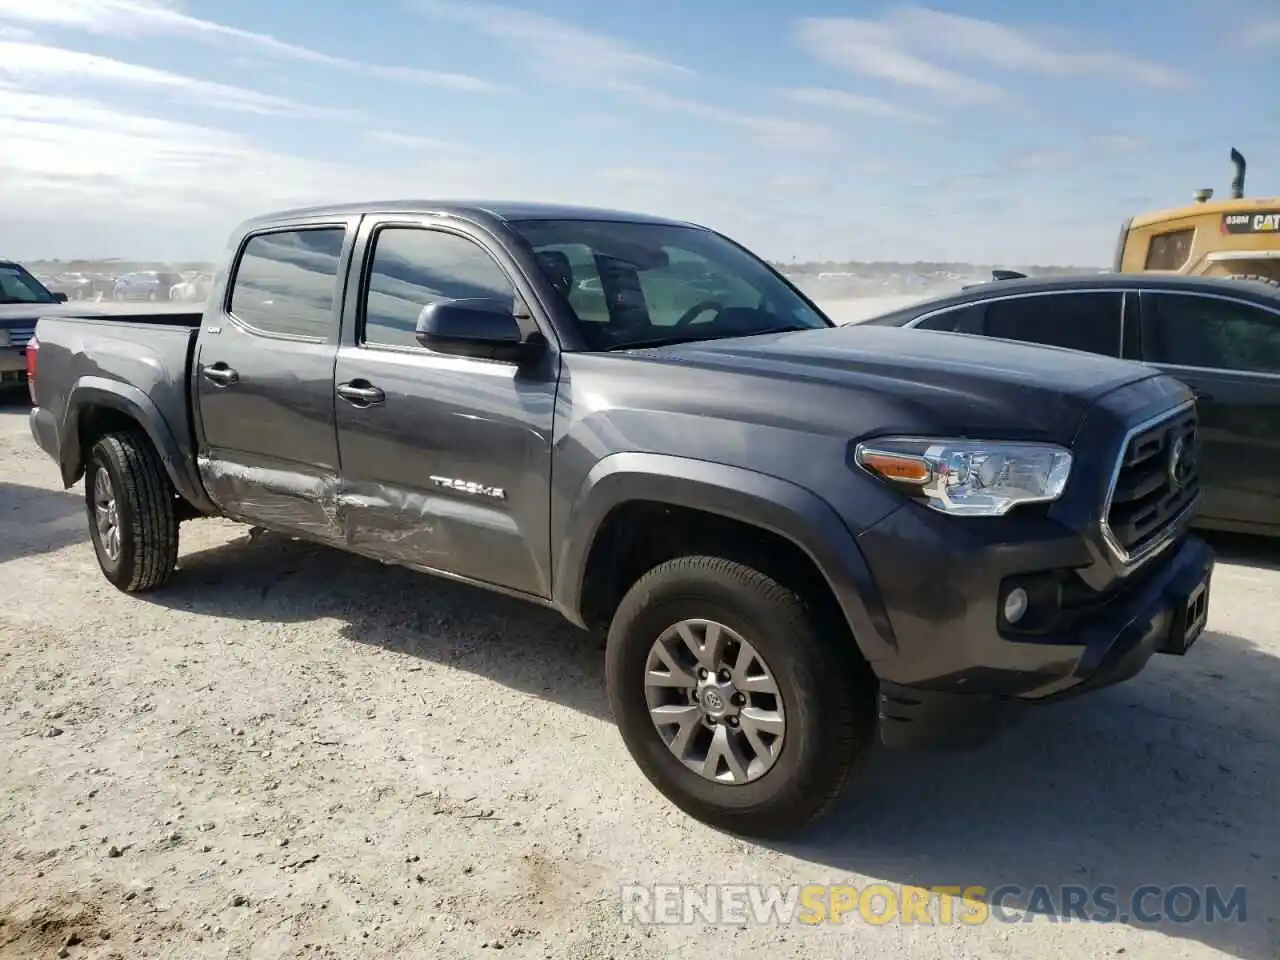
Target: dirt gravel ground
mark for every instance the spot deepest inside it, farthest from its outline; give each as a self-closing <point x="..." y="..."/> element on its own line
<point x="291" y="752"/>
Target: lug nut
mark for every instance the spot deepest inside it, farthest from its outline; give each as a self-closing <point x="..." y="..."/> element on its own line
<point x="738" y="699"/>
<point x="733" y="721"/>
<point x="702" y="673"/>
<point x="723" y="676"/>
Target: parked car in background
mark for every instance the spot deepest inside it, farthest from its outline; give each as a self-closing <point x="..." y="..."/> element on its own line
<point x="799" y="537"/>
<point x="145" y="285"/>
<point x="21" y="298"/>
<point x="75" y="285"/>
<point x="1220" y="336"/>
<point x="193" y="287"/>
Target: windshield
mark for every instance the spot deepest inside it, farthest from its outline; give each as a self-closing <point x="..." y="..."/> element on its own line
<point x="641" y="284"/>
<point x="18" y="286"/>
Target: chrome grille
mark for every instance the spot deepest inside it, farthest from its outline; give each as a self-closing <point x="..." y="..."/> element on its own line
<point x="1157" y="478"/>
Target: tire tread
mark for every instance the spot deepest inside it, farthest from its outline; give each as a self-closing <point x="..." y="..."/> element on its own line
<point x="154" y="521"/>
<point x="847" y="735"/>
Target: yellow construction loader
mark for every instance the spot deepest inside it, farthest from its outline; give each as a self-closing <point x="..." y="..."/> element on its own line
<point x="1236" y="237"/>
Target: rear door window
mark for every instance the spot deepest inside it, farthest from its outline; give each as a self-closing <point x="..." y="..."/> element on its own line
<point x="286" y="281"/>
<point x="1085" y="320"/>
<point x="1193" y="331"/>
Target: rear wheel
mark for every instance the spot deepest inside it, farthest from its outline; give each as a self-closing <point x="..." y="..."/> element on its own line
<point x="733" y="705"/>
<point x="132" y="510"/>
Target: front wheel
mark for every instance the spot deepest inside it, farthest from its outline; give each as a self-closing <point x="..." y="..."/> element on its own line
<point x="730" y="701"/>
<point x="131" y="504"/>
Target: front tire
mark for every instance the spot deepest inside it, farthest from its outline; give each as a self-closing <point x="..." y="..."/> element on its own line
<point x="778" y="717"/>
<point x="131" y="506"/>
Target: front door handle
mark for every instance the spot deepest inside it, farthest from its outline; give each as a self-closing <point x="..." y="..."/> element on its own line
<point x="361" y="393"/>
<point x="220" y="374"/>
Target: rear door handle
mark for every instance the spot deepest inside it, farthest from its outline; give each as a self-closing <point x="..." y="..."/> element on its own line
<point x="361" y="393"/>
<point x="220" y="374"/>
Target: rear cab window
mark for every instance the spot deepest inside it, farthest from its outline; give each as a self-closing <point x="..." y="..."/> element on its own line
<point x="286" y="281"/>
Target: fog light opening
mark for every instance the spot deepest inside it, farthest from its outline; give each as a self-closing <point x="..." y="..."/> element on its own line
<point x="1016" y="603"/>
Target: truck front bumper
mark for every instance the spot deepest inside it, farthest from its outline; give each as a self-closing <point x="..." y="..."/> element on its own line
<point x="961" y="673"/>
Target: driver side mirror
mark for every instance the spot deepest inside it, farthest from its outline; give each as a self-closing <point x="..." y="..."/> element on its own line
<point x="476" y="327"/>
<point x="59" y="297"/>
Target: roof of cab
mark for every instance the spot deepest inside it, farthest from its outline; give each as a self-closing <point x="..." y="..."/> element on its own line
<point x="474" y="210"/>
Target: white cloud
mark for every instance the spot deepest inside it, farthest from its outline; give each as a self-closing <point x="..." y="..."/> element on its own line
<point x="33" y="63"/>
<point x="1263" y="33"/>
<point x="902" y="47"/>
<point x="1121" y="142"/>
<point x="779" y="131"/>
<point x="854" y="103"/>
<point x="71" y="155"/>
<point x="1006" y="48"/>
<point x="574" y="56"/>
<point x="562" y="51"/>
<point x="877" y="50"/>
<point x="407" y="141"/>
<point x="164" y="17"/>
<point x="1044" y="161"/>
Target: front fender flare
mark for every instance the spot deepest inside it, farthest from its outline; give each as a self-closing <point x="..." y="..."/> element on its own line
<point x="757" y="499"/>
<point x="129" y="400"/>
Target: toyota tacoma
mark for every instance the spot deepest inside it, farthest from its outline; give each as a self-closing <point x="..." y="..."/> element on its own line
<point x="798" y="538"/>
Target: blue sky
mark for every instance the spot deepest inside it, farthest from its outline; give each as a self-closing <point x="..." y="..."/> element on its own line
<point x="986" y="130"/>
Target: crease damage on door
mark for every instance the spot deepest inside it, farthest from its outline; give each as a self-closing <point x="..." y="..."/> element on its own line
<point x="396" y="523"/>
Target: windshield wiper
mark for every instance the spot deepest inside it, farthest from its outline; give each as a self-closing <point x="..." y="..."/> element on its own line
<point x="669" y="341"/>
<point x="786" y="328"/>
<point x="657" y="342"/>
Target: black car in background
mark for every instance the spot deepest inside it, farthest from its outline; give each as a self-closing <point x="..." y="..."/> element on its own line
<point x="1220" y="336"/>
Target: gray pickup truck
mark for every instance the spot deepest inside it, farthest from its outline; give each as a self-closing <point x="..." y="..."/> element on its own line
<point x="800" y="537"/>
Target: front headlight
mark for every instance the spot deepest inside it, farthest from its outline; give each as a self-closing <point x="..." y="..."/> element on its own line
<point x="971" y="478"/>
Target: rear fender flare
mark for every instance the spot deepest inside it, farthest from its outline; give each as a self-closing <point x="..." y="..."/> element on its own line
<point x="756" y="499"/>
<point x="127" y="399"/>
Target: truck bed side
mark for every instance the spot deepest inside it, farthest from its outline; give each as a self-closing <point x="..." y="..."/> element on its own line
<point x="100" y="374"/>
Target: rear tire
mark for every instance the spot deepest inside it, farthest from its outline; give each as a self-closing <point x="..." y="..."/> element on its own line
<point x="132" y="511"/>
<point x="826" y="717"/>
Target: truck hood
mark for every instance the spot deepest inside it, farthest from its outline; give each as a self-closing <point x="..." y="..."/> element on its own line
<point x="914" y="379"/>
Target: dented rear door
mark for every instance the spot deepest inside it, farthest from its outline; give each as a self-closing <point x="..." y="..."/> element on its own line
<point x="263" y="380"/>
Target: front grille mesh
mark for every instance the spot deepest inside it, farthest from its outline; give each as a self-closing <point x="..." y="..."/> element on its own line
<point x="1146" y="499"/>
